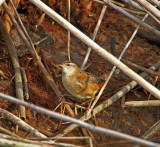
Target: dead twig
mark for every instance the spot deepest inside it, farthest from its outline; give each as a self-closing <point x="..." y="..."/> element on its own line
<point x="133" y="4"/>
<point x="149" y="7"/>
<point x="156" y="2"/>
<point x="153" y="130"/>
<point x="142" y="103"/>
<point x="69" y="34"/>
<point x="141" y="68"/>
<point x="40" y="41"/>
<point x="7" y="115"/>
<point x="22" y="27"/>
<point x="3" y="130"/>
<point x="16" y="66"/>
<point x="94" y="36"/>
<point x="66" y="138"/>
<point x="26" y="93"/>
<point x="12" y="141"/>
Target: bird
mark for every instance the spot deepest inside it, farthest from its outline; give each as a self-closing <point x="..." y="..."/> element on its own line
<point x="80" y="85"/>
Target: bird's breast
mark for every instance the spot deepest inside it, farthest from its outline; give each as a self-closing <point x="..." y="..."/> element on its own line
<point x="75" y="88"/>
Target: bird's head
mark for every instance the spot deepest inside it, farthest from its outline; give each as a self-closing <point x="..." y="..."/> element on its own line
<point x="69" y="68"/>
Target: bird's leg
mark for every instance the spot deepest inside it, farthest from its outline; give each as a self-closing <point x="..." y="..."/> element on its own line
<point x="91" y="100"/>
<point x="62" y="96"/>
<point x="70" y="97"/>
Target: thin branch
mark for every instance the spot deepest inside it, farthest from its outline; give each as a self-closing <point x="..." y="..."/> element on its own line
<point x="141" y="68"/>
<point x="149" y="7"/>
<point x="17" y="141"/>
<point x="155" y="18"/>
<point x="133" y="4"/>
<point x="40" y="41"/>
<point x="10" y="142"/>
<point x="153" y="130"/>
<point x="142" y="103"/>
<point x="75" y="121"/>
<point x="23" y="28"/>
<point x="16" y="66"/>
<point x="14" y="139"/>
<point x="66" y="138"/>
<point x="94" y="36"/>
<point x="69" y="34"/>
<point x="113" y="1"/>
<point x="3" y="130"/>
<point x="134" y="11"/>
<point x="156" y="2"/>
<point x="26" y="93"/>
<point x="7" y="115"/>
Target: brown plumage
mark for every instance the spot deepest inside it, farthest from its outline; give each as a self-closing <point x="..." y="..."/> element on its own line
<point x="81" y="85"/>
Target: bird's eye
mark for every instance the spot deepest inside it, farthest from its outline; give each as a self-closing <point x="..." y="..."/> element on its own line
<point x="68" y="64"/>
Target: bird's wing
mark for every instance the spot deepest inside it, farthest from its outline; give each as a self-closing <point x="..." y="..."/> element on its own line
<point x="94" y="79"/>
<point x="82" y="77"/>
<point x="88" y="78"/>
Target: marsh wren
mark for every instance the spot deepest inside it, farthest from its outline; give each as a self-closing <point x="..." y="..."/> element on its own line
<point x="81" y="85"/>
